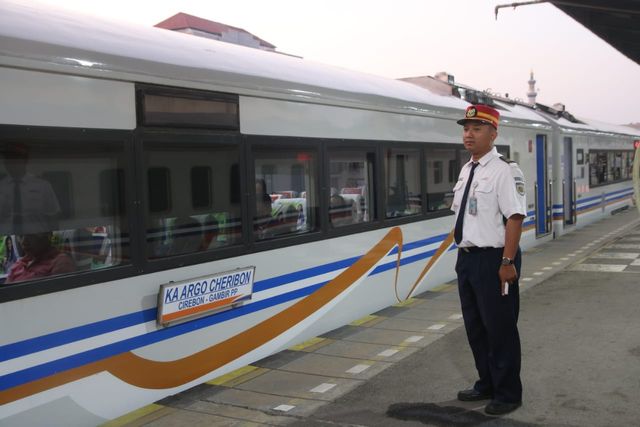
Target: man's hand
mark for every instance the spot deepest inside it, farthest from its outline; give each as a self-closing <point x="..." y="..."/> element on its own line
<point x="507" y="274"/>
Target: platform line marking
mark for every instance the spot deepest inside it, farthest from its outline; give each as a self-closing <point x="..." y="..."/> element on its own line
<point x="388" y="352"/>
<point x="456" y="316"/>
<point x="547" y="268"/>
<point x="618" y="255"/>
<point x="556" y="263"/>
<point x="437" y="326"/>
<point x="357" y="369"/>
<point x="526" y="279"/>
<point x="284" y="408"/>
<point x="322" y="388"/>
<point x="134" y="415"/>
<point x="406" y="303"/>
<point x="571" y="255"/>
<point x="414" y="338"/>
<point x="232" y="375"/>
<point x="564" y="259"/>
<point x="306" y="344"/>
<point x="635" y="262"/>
<point x="538" y="273"/>
<point x="607" y="268"/>
<point x="364" y="320"/>
<point x="442" y="288"/>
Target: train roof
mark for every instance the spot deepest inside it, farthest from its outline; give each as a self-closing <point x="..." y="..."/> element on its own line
<point x="42" y="37"/>
<point x="45" y="38"/>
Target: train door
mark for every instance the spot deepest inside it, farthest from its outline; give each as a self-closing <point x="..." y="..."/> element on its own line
<point x="542" y="191"/>
<point x="568" y="189"/>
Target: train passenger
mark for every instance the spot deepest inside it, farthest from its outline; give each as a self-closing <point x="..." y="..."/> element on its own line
<point x="10" y="256"/>
<point x="28" y="204"/>
<point x="490" y="206"/>
<point x="40" y="259"/>
<point x="263" y="208"/>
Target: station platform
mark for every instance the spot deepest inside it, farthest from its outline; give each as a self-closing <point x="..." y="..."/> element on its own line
<point x="580" y="310"/>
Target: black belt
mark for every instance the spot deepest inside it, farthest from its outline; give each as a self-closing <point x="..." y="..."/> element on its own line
<point x="474" y="249"/>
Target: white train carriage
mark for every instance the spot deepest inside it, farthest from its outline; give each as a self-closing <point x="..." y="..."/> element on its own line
<point x="593" y="163"/>
<point x="230" y="202"/>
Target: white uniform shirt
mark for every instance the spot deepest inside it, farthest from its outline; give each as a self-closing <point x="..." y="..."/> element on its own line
<point x="498" y="187"/>
<point x="39" y="205"/>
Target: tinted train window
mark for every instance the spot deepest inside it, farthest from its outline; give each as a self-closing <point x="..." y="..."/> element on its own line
<point x="184" y="111"/>
<point x="190" y="207"/>
<point x="351" y="183"/>
<point x="201" y="187"/>
<point x="402" y="178"/>
<point x="285" y="192"/>
<point x="52" y="215"/>
<point x="439" y="190"/>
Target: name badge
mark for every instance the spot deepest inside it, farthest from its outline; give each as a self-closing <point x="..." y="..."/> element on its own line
<point x="473" y="205"/>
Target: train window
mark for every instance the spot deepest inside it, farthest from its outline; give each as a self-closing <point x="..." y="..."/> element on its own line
<point x="159" y="185"/>
<point x="195" y="210"/>
<point x="352" y="190"/>
<point x="598" y="171"/>
<point x="201" y="110"/>
<point x="53" y="220"/>
<point x="440" y="192"/>
<point x="112" y="201"/>
<point x="402" y="179"/>
<point x="286" y="199"/>
<point x="201" y="187"/>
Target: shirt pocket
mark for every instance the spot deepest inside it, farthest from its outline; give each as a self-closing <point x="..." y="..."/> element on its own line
<point x="458" y="190"/>
<point x="485" y="193"/>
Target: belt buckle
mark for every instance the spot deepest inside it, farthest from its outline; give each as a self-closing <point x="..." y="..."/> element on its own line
<point x="466" y="250"/>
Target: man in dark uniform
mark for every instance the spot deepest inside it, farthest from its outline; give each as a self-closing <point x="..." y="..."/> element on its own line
<point x="489" y="202"/>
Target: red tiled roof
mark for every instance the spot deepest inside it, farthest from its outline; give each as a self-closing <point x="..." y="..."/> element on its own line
<point x="181" y="21"/>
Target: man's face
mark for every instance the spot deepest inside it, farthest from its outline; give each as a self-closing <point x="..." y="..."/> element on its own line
<point x="478" y="137"/>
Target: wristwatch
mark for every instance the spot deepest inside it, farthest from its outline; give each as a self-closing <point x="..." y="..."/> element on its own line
<point x="506" y="261"/>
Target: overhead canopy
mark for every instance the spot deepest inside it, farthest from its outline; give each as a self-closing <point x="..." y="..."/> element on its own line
<point x="615" y="21"/>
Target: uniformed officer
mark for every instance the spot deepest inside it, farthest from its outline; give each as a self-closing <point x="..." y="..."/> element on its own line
<point x="489" y="203"/>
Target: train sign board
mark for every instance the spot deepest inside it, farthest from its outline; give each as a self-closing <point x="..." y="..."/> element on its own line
<point x="189" y="299"/>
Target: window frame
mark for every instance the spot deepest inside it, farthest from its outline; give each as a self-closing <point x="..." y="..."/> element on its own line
<point x="192" y="137"/>
<point x="420" y="148"/>
<point x="351" y="145"/>
<point x="608" y="170"/>
<point x="282" y="143"/>
<point x="57" y="135"/>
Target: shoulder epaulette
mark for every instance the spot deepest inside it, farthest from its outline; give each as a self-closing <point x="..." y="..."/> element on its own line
<point x="504" y="159"/>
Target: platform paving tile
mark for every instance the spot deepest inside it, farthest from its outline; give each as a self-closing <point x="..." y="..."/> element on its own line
<point x="294" y="384"/>
<point x="335" y="366"/>
<point x="342" y="332"/>
<point x="361" y="350"/>
<point x="278" y="360"/>
<point x="415" y="325"/>
<point x="238" y="413"/>
<point x="391" y="337"/>
<point x="182" y="418"/>
<point x="434" y="314"/>
<point x="265" y="402"/>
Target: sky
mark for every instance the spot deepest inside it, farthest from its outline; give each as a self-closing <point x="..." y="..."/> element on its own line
<point x="406" y="38"/>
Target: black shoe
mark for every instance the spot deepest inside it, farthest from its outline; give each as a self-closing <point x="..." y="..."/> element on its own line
<point x="472" y="395"/>
<point x="500" y="408"/>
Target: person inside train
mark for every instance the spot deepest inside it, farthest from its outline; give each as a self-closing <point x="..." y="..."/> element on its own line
<point x="10" y="257"/>
<point x="340" y="209"/>
<point x="263" y="208"/>
<point x="41" y="259"/>
<point x="210" y="232"/>
<point x="186" y="236"/>
<point x="28" y="204"/>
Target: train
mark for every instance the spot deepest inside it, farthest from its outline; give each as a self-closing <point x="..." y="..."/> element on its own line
<point x="204" y="205"/>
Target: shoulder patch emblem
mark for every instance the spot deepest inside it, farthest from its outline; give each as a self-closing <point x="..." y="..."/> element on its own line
<point x="520" y="187"/>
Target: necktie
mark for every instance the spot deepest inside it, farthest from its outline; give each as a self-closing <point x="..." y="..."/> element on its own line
<point x="17" y="207"/>
<point x="457" y="234"/>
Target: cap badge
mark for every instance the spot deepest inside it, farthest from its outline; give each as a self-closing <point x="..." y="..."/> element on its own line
<point x="471" y="112"/>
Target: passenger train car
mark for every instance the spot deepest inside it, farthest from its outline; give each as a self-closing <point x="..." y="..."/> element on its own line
<point x="200" y="206"/>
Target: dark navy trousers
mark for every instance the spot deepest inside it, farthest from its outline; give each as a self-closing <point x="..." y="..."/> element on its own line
<point x="491" y="322"/>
